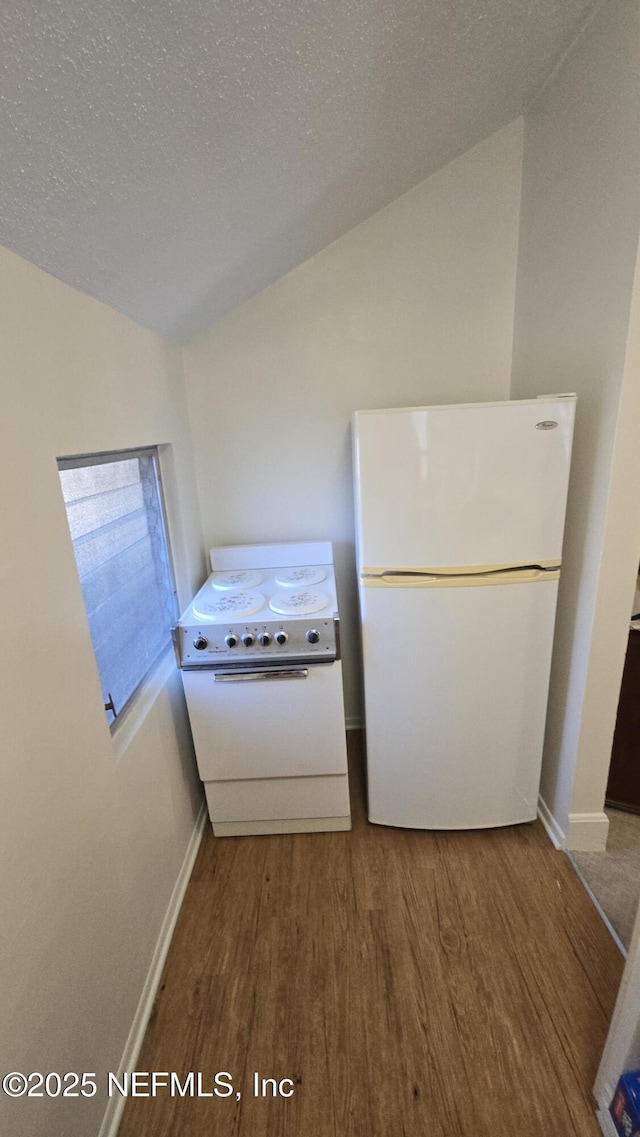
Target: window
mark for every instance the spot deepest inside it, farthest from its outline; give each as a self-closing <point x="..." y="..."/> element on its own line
<point x="116" y="518"/>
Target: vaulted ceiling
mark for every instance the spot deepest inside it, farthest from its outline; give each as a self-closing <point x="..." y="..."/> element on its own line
<point x="173" y="157"/>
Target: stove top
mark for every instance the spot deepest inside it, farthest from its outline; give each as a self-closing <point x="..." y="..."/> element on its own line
<point x="216" y="607"/>
<point x="234" y="579"/>
<point x="250" y="614"/>
<point x="303" y="576"/>
<point x="299" y="602"/>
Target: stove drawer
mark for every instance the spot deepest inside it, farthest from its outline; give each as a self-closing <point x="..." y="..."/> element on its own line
<point x="276" y="727"/>
<point x="271" y="799"/>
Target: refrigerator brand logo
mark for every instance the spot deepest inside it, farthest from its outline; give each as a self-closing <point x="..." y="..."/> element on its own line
<point x="548" y="424"/>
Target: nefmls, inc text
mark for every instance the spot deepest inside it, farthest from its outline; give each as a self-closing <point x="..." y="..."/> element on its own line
<point x="151" y="1083"/>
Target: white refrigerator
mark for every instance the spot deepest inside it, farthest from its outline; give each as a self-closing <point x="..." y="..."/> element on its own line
<point x="459" y="518"/>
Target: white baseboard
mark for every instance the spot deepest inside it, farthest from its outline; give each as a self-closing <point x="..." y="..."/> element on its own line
<point x="354" y="722"/>
<point x="116" y="1104"/>
<point x="587" y="832"/>
<point x="555" y="832"/>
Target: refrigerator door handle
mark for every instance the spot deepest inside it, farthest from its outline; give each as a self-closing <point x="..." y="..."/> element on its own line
<point x="520" y="574"/>
<point x="408" y="577"/>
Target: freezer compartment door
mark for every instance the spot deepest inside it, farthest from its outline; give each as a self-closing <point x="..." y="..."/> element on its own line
<point x="456" y="684"/>
<point x="279" y="726"/>
<point x="462" y="485"/>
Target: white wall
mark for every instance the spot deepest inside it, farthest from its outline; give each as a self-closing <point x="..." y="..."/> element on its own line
<point x="91" y="840"/>
<point x="414" y="306"/>
<point x="579" y="235"/>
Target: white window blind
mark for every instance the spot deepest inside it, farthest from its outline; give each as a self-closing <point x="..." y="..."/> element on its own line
<point x="116" y="519"/>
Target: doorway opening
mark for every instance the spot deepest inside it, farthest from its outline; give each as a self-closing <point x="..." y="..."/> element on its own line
<point x="613" y="876"/>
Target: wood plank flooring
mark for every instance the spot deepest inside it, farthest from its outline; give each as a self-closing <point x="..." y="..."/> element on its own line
<point x="410" y="984"/>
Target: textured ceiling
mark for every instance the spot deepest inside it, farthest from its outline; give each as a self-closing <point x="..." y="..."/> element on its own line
<point x="173" y="157"/>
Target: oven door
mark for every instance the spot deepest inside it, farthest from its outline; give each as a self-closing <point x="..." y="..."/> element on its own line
<point x="267" y="723"/>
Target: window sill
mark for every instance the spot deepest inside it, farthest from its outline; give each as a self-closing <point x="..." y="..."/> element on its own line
<point x="129" y="724"/>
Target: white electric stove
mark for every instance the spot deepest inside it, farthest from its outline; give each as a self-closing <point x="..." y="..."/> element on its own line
<point x="259" y="652"/>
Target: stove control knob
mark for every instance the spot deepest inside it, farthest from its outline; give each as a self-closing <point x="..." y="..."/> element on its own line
<point x="313" y="636"/>
<point x="200" y="643"/>
<point x="264" y="639"/>
<point x="281" y="638"/>
<point x="231" y="640"/>
<point x="248" y="640"/>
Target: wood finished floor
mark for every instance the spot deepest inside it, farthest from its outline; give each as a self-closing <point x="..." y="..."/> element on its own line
<point x="412" y="984"/>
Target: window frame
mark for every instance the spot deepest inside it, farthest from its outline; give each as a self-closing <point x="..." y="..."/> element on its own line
<point x="106" y="457"/>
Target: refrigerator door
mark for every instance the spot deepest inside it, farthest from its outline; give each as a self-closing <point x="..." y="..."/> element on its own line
<point x="456" y="683"/>
<point x="461" y="486"/>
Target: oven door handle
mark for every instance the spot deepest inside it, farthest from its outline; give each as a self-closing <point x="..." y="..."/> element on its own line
<point x="256" y="676"/>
